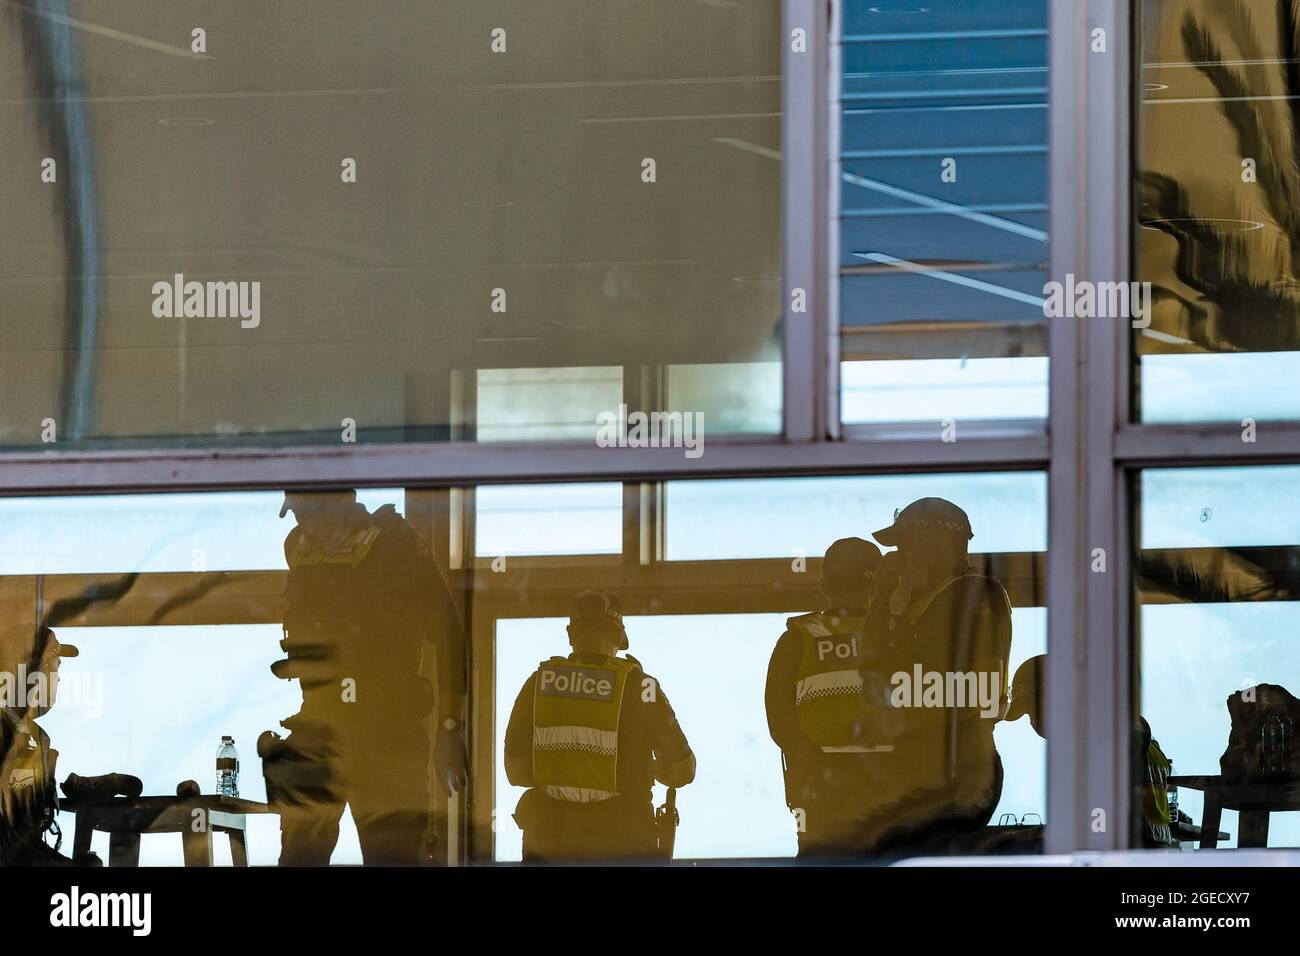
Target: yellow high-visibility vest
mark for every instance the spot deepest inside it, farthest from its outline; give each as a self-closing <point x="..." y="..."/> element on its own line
<point x="576" y="709"/>
<point x="1155" y="795"/>
<point x="828" y="686"/>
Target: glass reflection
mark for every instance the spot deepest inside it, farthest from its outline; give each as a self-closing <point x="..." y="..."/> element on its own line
<point x="943" y="211"/>
<point x="1215" y="202"/>
<point x="429" y="676"/>
<point x="1218" y="578"/>
<point x="443" y="241"/>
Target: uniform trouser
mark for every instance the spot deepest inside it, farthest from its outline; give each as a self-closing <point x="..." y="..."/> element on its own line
<point x="611" y="831"/>
<point x="384" y="778"/>
<point x="940" y="820"/>
<point x="829" y="806"/>
<point x="833" y="826"/>
<point x="830" y="832"/>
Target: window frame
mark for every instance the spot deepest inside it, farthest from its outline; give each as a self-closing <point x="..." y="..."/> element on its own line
<point x="1088" y="446"/>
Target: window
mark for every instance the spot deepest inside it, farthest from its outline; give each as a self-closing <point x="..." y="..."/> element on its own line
<point x="180" y="607"/>
<point x="705" y="624"/>
<point x="821" y="228"/>
<point x="410" y="229"/>
<point x="943" y="211"/>
<point x="1218" y="573"/>
<point x="1216" y="234"/>
<point x="1213" y="543"/>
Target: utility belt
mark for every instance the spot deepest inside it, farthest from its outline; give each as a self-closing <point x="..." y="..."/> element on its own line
<point x="536" y="809"/>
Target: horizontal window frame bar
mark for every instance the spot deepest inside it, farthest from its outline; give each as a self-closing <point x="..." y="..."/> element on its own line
<point x="468" y="463"/>
<point x="1193" y="445"/>
<point x="975" y="429"/>
<point x="940" y="36"/>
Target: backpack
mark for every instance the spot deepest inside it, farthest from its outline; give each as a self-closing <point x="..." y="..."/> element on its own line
<point x="1261" y="744"/>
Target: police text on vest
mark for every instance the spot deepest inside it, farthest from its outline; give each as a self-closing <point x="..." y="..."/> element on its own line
<point x="571" y="682"/>
<point x="828" y="648"/>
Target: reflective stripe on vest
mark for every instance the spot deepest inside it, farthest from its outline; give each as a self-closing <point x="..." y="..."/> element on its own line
<point x="576" y="710"/>
<point x="827" y="684"/>
<point x="828" y="687"/>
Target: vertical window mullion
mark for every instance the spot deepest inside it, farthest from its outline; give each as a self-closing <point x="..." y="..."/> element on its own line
<point x="805" y="150"/>
<point x="1088" y="701"/>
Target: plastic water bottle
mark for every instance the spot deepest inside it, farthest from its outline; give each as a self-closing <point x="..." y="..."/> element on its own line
<point x="1276" y="746"/>
<point x="227" y="768"/>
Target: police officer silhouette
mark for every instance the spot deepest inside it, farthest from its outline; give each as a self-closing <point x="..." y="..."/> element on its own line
<point x="365" y="599"/>
<point x="589" y="735"/>
<point x="815" y="708"/>
<point x="933" y="614"/>
<point x="28" y="798"/>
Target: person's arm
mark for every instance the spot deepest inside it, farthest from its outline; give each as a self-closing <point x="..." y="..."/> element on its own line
<point x="423" y="591"/>
<point x="964" y="636"/>
<point x="674" y="761"/>
<point x="519" y="739"/>
<point x="782" y="715"/>
<point x="416" y="587"/>
<point x="983" y="633"/>
<point x="449" y="637"/>
<point x="994" y="649"/>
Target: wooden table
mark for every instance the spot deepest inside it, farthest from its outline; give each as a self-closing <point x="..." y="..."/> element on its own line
<point x="1253" y="801"/>
<point x="1190" y="833"/>
<point x="194" y="818"/>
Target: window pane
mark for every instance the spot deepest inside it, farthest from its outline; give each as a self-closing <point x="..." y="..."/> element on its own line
<point x="378" y="212"/>
<point x="710" y="623"/>
<point x="179" y="606"/>
<point x="548" y="519"/>
<point x="1219" y="604"/>
<point x="943" y="218"/>
<point x="1215" y="203"/>
<point x="805" y="516"/>
<point x="736" y="805"/>
<point x="354" y="628"/>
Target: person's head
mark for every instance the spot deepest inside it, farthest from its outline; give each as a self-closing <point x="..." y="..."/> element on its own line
<point x="596" y="624"/>
<point x="932" y="536"/>
<point x="1027" y="693"/>
<point x="847" y="572"/>
<point x="1142" y="730"/>
<point x="26" y="654"/>
<point x="319" y="513"/>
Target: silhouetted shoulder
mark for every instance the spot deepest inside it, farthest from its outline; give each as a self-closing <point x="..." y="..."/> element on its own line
<point x="644" y="687"/>
<point x="809" y="623"/>
<point x="640" y="677"/>
<point x="396" y="536"/>
<point x="993" y="594"/>
<point x="291" y="540"/>
<point x="976" y="592"/>
<point x="395" y="527"/>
